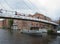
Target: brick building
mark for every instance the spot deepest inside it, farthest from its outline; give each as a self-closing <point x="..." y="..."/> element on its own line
<point x="1" y="23"/>
<point x="5" y="23"/>
<point x="40" y="25"/>
<point x="21" y="24"/>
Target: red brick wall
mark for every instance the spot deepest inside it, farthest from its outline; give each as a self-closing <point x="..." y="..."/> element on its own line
<point x="6" y="23"/>
<point x="27" y="24"/>
<point x="1" y="24"/>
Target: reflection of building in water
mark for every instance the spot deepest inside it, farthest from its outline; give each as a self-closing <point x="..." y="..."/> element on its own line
<point x="49" y="39"/>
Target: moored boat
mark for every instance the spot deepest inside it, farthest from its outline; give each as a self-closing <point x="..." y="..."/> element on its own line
<point x="31" y="32"/>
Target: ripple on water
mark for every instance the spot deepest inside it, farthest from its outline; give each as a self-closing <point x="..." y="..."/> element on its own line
<point x="8" y="36"/>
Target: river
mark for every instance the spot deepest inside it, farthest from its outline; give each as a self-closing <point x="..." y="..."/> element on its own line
<point x="8" y="36"/>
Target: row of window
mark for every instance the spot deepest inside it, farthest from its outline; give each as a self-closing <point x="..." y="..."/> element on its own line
<point x="43" y="26"/>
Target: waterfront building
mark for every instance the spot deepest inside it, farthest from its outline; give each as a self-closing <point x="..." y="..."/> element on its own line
<point x="21" y="24"/>
<point x="1" y="23"/>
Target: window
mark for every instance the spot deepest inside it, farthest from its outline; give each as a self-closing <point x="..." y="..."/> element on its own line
<point x="38" y="17"/>
<point x="32" y="24"/>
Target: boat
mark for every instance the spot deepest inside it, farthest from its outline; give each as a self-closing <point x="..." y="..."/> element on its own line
<point x="31" y="32"/>
<point x="58" y="29"/>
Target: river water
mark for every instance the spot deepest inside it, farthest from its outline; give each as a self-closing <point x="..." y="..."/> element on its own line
<point x="8" y="36"/>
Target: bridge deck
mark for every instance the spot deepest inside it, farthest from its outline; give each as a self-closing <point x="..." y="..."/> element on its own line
<point x="12" y="16"/>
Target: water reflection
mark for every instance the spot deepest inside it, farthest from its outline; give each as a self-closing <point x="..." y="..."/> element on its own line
<point x="8" y="36"/>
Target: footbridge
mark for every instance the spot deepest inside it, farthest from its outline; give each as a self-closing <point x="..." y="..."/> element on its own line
<point x="18" y="17"/>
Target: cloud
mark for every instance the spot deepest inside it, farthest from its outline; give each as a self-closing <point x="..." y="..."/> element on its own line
<point x="4" y="5"/>
<point x="48" y="7"/>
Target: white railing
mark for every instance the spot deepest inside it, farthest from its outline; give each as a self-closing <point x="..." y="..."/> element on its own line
<point x="10" y="15"/>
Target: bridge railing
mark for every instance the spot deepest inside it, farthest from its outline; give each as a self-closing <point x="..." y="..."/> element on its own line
<point x="4" y="13"/>
<point x="7" y="11"/>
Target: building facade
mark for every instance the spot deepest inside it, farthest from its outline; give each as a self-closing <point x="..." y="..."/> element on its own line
<point x="1" y="24"/>
<point x="5" y="23"/>
<point x="21" y="24"/>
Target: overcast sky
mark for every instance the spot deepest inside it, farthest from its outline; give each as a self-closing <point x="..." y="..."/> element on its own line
<point x="50" y="8"/>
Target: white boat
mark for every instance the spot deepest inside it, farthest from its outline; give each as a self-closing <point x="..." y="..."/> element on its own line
<point x="31" y="32"/>
<point x="58" y="31"/>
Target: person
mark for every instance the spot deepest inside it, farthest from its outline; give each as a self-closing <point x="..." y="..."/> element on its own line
<point x="15" y="13"/>
<point x="0" y="10"/>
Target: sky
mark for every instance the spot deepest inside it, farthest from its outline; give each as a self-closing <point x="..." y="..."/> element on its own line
<point x="50" y="8"/>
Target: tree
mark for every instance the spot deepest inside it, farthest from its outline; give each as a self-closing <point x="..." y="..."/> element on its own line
<point x="10" y="23"/>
